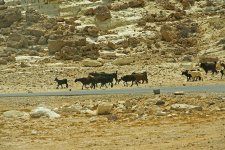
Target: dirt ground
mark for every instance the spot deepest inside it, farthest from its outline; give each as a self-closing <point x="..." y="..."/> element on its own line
<point x="178" y="130"/>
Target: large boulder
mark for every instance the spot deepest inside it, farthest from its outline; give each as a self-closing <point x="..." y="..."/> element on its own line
<point x="9" y="16"/>
<point x="123" y="61"/>
<point x="91" y="63"/>
<point x="43" y="111"/>
<point x="2" y="2"/>
<point x="16" y="40"/>
<point x="102" y="13"/>
<point x="32" y="16"/>
<point x="35" y="31"/>
<point x="55" y="46"/>
<point x="91" y="30"/>
<point x="104" y="109"/>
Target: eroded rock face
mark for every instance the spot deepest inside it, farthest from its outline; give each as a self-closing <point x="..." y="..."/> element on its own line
<point x="55" y="46"/>
<point x="136" y="3"/>
<point x="168" y="33"/>
<point x="74" y="41"/>
<point x="68" y="53"/>
<point x="9" y="16"/>
<point x="16" y="40"/>
<point x="102" y="13"/>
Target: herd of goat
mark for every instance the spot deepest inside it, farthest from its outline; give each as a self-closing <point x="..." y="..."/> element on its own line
<point x="104" y="79"/>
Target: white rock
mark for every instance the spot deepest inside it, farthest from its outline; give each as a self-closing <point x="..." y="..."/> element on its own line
<point x="72" y="108"/>
<point x="179" y="93"/>
<point x="16" y="114"/>
<point x="42" y="111"/>
<point x="34" y="132"/>
<point x="161" y="113"/>
<point x="185" y="107"/>
<point x="104" y="108"/>
<point x="222" y="109"/>
<point x="107" y="54"/>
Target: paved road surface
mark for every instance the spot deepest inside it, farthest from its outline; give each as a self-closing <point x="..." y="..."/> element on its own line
<point x="136" y="90"/>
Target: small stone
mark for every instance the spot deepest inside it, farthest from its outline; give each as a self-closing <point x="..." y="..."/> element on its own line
<point x="179" y="93"/>
<point x="160" y="102"/>
<point x="34" y="132"/>
<point x="161" y="113"/>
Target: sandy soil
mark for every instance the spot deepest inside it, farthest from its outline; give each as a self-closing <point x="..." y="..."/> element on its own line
<point x="193" y="130"/>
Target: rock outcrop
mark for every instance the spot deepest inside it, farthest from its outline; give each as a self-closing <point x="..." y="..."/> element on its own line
<point x="9" y="16"/>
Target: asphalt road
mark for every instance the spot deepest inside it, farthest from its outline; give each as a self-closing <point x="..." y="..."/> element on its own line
<point x="218" y="88"/>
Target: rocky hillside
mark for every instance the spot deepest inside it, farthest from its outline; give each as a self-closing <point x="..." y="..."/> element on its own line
<point x="157" y="30"/>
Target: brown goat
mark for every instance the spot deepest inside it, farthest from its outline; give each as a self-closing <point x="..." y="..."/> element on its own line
<point x="141" y="77"/>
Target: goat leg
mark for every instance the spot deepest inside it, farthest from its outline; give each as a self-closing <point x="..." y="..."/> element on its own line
<point x="132" y="83"/>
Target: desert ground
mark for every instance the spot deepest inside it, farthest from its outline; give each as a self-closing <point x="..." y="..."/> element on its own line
<point x="135" y="122"/>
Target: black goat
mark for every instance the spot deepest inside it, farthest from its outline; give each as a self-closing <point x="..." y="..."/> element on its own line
<point x="186" y="74"/>
<point x="107" y="75"/>
<point x="209" y="67"/>
<point x="103" y="80"/>
<point x="128" y="78"/>
<point x="86" y="81"/>
<point x="61" y="82"/>
<point x="222" y="73"/>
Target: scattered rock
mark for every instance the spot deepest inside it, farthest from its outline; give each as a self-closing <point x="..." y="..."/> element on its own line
<point x="185" y="107"/>
<point x="160" y="102"/>
<point x="111" y="117"/>
<point x="73" y="108"/>
<point x="24" y="65"/>
<point x="91" y="30"/>
<point x="102" y="13"/>
<point x="16" y="114"/>
<point x="136" y="3"/>
<point x="42" y="40"/>
<point x="3" y="61"/>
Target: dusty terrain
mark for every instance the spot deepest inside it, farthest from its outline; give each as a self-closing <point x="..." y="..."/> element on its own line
<point x="157" y="36"/>
<point x="124" y="128"/>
